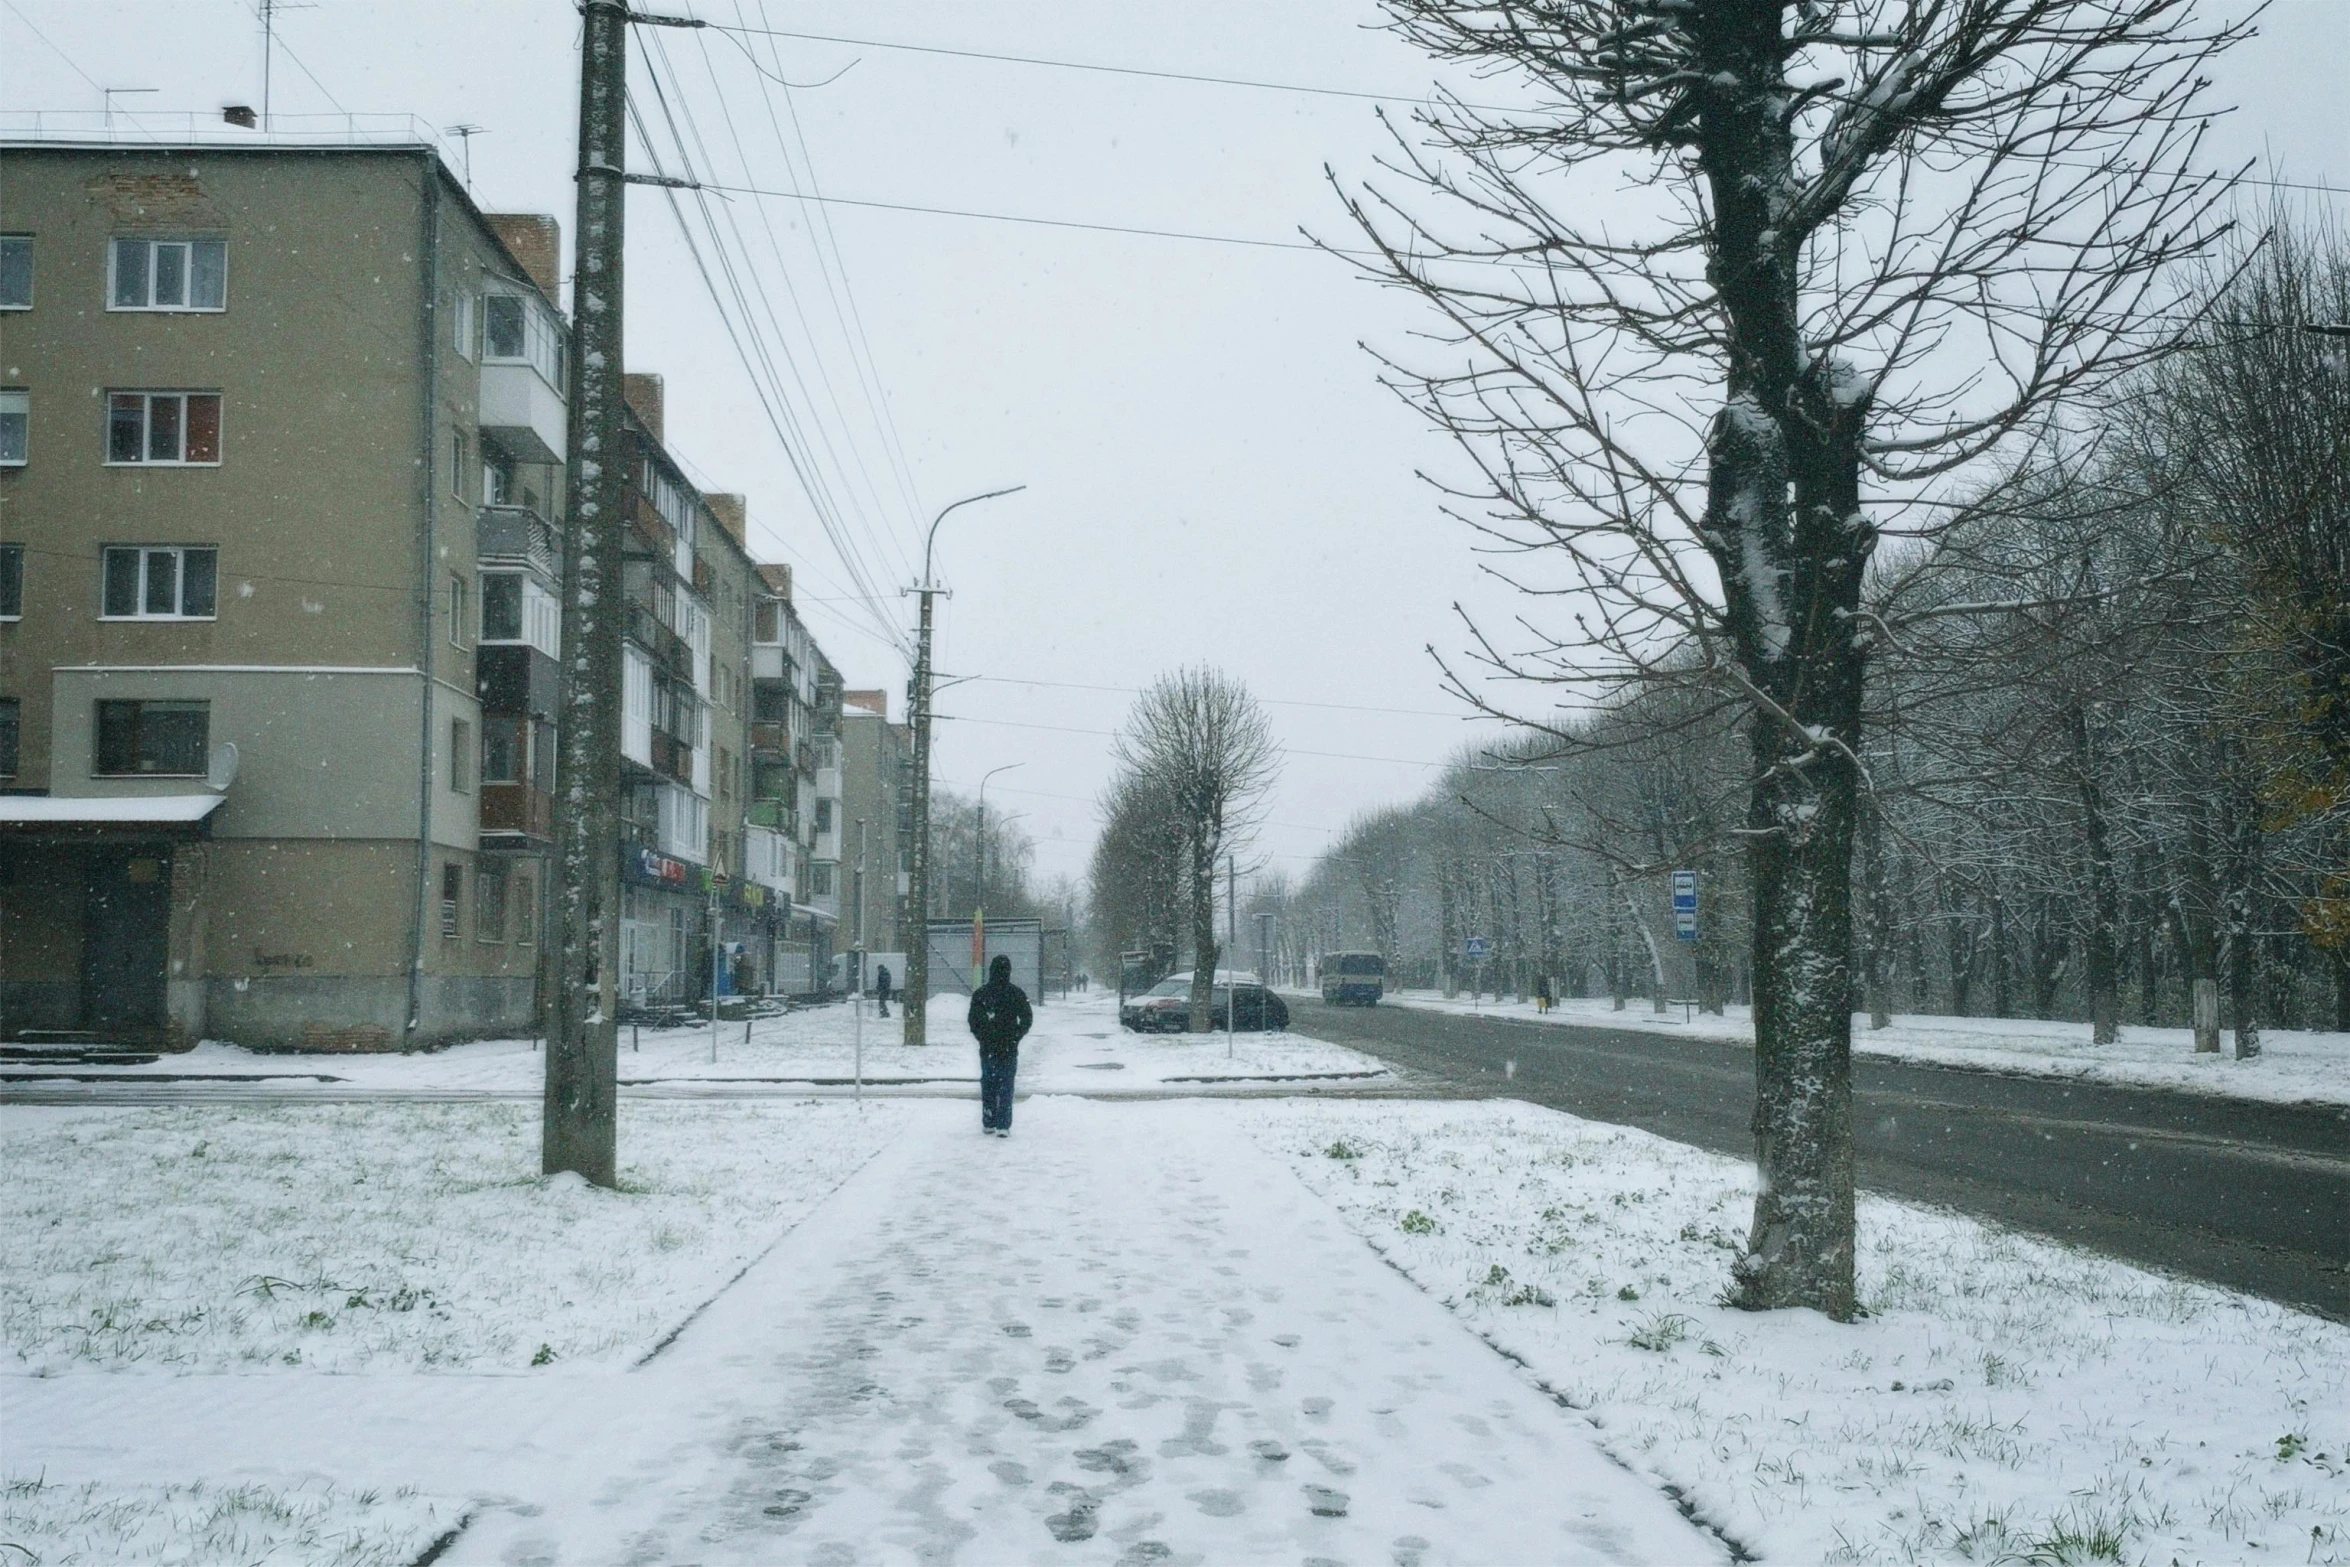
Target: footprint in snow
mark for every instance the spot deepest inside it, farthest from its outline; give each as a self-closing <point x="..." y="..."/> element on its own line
<point x="1079" y="1522"/>
<point x="1286" y="1340"/>
<point x="1316" y="1408"/>
<point x="1016" y="1330"/>
<point x="1008" y="1472"/>
<point x="1218" y="1503"/>
<point x="1324" y="1502"/>
<point x="1270" y="1451"/>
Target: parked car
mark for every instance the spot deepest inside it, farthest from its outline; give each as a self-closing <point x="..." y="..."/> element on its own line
<point x="1166" y="1007"/>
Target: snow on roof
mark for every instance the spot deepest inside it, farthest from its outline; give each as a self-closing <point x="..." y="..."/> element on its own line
<point x="29" y="810"/>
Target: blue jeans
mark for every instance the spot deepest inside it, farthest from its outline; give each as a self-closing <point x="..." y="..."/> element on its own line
<point x="995" y="1087"/>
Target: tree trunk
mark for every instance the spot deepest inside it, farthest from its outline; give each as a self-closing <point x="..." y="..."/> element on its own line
<point x="1449" y="932"/>
<point x="1204" y="951"/>
<point x="2100" y="939"/>
<point x="1875" y="961"/>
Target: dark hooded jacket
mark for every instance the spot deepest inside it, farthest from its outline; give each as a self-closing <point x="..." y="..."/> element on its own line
<point x="999" y="1010"/>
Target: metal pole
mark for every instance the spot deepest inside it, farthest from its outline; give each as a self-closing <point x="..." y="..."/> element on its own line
<point x="857" y="962"/>
<point x="1231" y="946"/>
<point x="717" y="956"/>
<point x="578" y="1130"/>
<point x="916" y="994"/>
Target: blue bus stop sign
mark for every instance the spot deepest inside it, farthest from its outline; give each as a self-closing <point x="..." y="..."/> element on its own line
<point x="1685" y="905"/>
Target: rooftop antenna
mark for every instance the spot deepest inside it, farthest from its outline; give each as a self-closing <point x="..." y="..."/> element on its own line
<point x="269" y="10"/>
<point x="111" y="93"/>
<point x="465" y="135"/>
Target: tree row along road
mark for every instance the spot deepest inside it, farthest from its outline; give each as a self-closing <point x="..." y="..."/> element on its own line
<point x="2255" y="1197"/>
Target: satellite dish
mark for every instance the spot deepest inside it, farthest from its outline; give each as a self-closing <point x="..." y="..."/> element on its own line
<point x="223" y="770"/>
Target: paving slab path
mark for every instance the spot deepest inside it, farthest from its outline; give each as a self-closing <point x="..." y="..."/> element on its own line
<point x="1124" y="1335"/>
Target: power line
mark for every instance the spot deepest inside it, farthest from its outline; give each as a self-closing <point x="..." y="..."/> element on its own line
<point x="799" y="309"/>
<point x="1263" y="85"/>
<point x="1064" y="729"/>
<point x="769" y="389"/>
<point x="1269" y="701"/>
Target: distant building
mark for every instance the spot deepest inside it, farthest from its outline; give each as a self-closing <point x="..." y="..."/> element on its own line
<point x="876" y="767"/>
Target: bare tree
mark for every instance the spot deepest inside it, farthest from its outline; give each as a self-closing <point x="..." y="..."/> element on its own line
<point x="1136" y="879"/>
<point x="1843" y="248"/>
<point x="1205" y="747"/>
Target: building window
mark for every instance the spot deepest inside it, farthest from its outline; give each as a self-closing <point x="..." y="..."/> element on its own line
<point x="16" y="272"/>
<point x="152" y="739"/>
<point x="526" y="906"/>
<point x="823" y="816"/>
<point x="16" y="420"/>
<point x="452" y="893"/>
<point x="497" y="477"/>
<point x="168" y="274"/>
<point x="820" y="880"/>
<point x="8" y="730"/>
<point x="516" y="327"/>
<point x="505" y="749"/>
<point x="459" y="626"/>
<point x="460" y="756"/>
<point x="160" y="582"/>
<point x="489" y="903"/>
<point x="170" y="428"/>
<point x="501" y="606"/>
<point x="461" y="313"/>
<point x="11" y="581"/>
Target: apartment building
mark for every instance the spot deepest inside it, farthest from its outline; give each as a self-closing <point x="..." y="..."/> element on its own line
<point x="281" y="435"/>
<point x="791" y="832"/>
<point x="876" y="812"/>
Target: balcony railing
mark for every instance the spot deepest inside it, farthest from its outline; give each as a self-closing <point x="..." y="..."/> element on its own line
<point x="770" y="736"/>
<point x="669" y="650"/>
<point x="517" y="808"/>
<point x="515" y="533"/>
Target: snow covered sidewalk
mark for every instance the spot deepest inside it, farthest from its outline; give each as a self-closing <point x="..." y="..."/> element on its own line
<point x="1124" y="1335"/>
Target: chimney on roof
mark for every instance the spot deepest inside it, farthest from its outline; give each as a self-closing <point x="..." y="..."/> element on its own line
<point x="241" y="114"/>
<point x="644" y="398"/>
<point x="876" y="702"/>
<point x="778" y="580"/>
<point x="731" y="513"/>
<point x="536" y="241"/>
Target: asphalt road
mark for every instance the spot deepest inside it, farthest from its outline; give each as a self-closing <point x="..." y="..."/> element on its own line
<point x="2252" y="1196"/>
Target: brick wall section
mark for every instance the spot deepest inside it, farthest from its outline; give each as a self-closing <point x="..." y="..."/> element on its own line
<point x="645" y="399"/>
<point x="733" y="515"/>
<point x="536" y="241"/>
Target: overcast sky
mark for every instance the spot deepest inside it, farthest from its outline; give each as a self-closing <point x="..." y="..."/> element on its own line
<point x="1212" y="472"/>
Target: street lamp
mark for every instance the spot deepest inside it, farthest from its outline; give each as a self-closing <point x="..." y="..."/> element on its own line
<point x="917" y="990"/>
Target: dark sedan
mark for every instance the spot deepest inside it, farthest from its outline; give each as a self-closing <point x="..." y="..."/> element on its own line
<point x="1166" y="1009"/>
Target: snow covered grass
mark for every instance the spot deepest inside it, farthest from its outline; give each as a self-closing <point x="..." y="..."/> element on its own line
<point x="1077" y="1047"/>
<point x="388" y="1235"/>
<point x="2295" y="1065"/>
<point x="319" y="1525"/>
<point x="2005" y="1399"/>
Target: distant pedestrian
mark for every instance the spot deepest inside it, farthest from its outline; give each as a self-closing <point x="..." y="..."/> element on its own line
<point x="881" y="987"/>
<point x="1542" y="993"/>
<point x="999" y="1020"/>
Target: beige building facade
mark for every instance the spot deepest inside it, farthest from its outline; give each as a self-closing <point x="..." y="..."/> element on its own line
<point x="274" y="408"/>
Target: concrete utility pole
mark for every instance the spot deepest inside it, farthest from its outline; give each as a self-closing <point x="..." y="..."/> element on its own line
<point x="583" y="1040"/>
<point x="916" y="994"/>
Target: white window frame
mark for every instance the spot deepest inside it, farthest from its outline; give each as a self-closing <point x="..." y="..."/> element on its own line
<point x="16" y="403"/>
<point x="460" y="625"/>
<point x="147" y="428"/>
<point x="464" y="766"/>
<point x="187" y="247"/>
<point x="11" y="241"/>
<point x="147" y="554"/>
<point x="461" y="308"/>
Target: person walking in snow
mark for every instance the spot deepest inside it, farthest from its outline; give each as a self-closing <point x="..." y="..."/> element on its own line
<point x="881" y="987"/>
<point x="999" y="1020"/>
<point x="1542" y="993"/>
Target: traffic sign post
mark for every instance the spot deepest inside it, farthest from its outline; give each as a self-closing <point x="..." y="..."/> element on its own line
<point x="1475" y="948"/>
<point x="1685" y="905"/>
